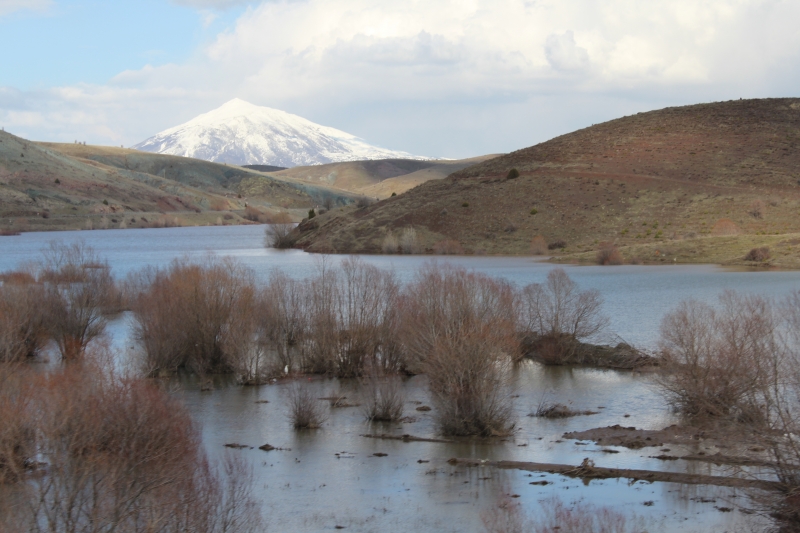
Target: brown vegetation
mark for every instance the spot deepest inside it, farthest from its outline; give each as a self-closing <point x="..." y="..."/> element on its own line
<point x="459" y="329"/>
<point x="278" y="235"/>
<point x="78" y="288"/>
<point x="22" y="319"/>
<point x="305" y="410"/>
<point x="719" y="362"/>
<point x="195" y="315"/>
<point x="538" y="245"/>
<point x="121" y="455"/>
<point x="758" y="254"/>
<point x="609" y="254"/>
<point x="383" y="399"/>
<point x="555" y="316"/>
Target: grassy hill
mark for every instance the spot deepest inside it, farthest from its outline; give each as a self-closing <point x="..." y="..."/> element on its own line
<point x="46" y="186"/>
<point x="380" y="178"/>
<point x="688" y="184"/>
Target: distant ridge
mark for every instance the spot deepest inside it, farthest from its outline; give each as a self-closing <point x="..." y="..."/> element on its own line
<point x="241" y="133"/>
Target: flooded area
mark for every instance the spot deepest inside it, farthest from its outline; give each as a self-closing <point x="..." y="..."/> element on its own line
<point x="331" y="477"/>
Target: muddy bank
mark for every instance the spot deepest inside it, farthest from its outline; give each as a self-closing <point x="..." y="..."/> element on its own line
<point x="588" y="471"/>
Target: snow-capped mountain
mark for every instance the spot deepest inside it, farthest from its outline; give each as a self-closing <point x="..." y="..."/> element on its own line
<point x="241" y="133"/>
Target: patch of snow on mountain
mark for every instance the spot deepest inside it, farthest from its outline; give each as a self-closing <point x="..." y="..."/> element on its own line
<point x="241" y="133"/>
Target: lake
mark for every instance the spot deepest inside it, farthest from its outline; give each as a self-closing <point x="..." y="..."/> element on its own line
<point x="310" y="488"/>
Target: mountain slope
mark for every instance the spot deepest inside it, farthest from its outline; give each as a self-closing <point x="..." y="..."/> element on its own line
<point x="660" y="185"/>
<point x="378" y="178"/>
<point x="69" y="186"/>
<point x="241" y="133"/>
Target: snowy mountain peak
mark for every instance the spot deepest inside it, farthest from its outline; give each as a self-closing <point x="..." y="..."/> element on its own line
<point x="242" y="133"/>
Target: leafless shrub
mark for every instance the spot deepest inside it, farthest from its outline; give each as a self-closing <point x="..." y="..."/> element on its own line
<point x="538" y="245"/>
<point x="609" y="254"/>
<point x="758" y="254"/>
<point x="718" y="361"/>
<point x="556" y="315"/>
<point x="283" y="321"/>
<point x="459" y="328"/>
<point x="278" y="235"/>
<point x="390" y="244"/>
<point x="124" y="456"/>
<point x="77" y="290"/>
<point x="382" y="399"/>
<point x="757" y="209"/>
<point x="725" y="226"/>
<point x="17" y="431"/>
<point x="555" y="245"/>
<point x="352" y="320"/>
<point x="196" y="315"/>
<point x="448" y="247"/>
<point x="408" y="241"/>
<point x="305" y="410"/>
<point x="22" y="319"/>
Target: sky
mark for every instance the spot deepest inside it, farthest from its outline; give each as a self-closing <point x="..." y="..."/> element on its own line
<point x="441" y="78"/>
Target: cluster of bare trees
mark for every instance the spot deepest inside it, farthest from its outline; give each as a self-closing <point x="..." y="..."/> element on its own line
<point x="739" y="362"/>
<point x="87" y="452"/>
<point x="462" y="329"/>
<point x="64" y="298"/>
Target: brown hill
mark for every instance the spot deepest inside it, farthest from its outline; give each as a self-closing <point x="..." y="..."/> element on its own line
<point x="68" y="186"/>
<point x="380" y="178"/>
<point x="692" y="183"/>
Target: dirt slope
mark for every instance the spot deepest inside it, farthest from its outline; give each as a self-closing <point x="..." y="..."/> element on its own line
<point x="668" y="185"/>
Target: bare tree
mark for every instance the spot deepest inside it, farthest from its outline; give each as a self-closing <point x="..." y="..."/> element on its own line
<point x="720" y="361"/>
<point x="556" y="315"/>
<point x="77" y="286"/>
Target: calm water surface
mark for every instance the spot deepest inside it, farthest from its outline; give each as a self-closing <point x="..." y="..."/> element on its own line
<point x="311" y="489"/>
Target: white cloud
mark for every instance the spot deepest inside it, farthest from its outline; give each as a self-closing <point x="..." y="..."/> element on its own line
<point x="563" y="54"/>
<point x="10" y="6"/>
<point x="503" y="73"/>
